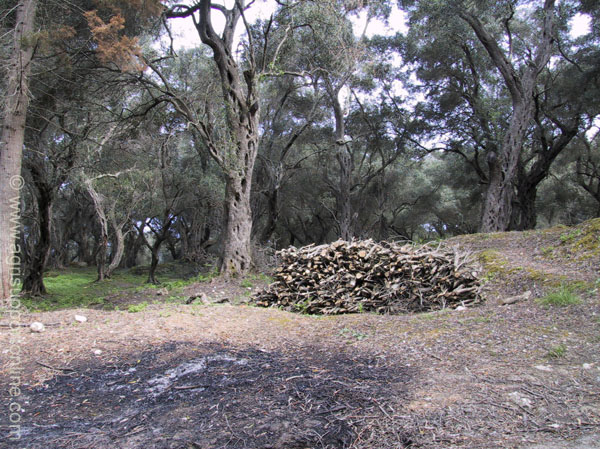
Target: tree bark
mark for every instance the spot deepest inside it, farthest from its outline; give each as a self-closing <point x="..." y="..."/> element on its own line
<point x="237" y="251"/>
<point x="524" y="212"/>
<point x="344" y="158"/>
<point x="119" y="248"/>
<point x="272" y="214"/>
<point x="11" y="141"/>
<point x="343" y="195"/>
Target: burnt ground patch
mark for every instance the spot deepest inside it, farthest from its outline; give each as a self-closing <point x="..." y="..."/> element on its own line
<point x="213" y="396"/>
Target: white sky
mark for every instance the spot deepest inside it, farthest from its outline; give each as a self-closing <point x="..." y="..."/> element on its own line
<point x="580" y="25"/>
<point x="186" y="35"/>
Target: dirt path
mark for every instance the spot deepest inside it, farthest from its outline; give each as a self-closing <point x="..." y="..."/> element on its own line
<point x="522" y="376"/>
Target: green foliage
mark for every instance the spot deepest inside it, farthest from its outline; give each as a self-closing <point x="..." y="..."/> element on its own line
<point x="562" y="297"/>
<point x="557" y="352"/>
<point x="135" y="308"/>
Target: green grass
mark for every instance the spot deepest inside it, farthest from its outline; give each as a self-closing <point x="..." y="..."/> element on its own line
<point x="562" y="297"/>
<point x="135" y="308"/>
<point x="557" y="352"/>
<point x="76" y="287"/>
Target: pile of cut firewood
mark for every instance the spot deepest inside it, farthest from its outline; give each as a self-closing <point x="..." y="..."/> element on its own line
<point x="366" y="276"/>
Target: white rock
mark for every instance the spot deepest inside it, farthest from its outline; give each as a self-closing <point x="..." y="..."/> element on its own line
<point x="97" y="351"/>
<point x="519" y="399"/>
<point x="586" y="366"/>
<point x="36" y="326"/>
<point x="460" y="308"/>
<point x="80" y="318"/>
<point x="543" y="368"/>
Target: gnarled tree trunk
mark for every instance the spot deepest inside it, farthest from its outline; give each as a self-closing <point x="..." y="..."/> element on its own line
<point x="237" y="251"/>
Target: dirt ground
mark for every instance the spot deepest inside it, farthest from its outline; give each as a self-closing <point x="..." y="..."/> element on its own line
<point x="521" y="376"/>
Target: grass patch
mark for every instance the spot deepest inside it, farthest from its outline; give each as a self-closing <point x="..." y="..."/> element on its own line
<point x="76" y="287"/>
<point x="562" y="297"/>
<point x="135" y="308"/>
<point x="556" y="352"/>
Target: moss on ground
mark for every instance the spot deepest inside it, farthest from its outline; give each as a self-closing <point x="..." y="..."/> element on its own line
<point x="581" y="242"/>
<point x="495" y="265"/>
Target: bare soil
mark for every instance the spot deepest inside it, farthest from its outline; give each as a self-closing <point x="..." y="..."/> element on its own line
<point x="236" y="376"/>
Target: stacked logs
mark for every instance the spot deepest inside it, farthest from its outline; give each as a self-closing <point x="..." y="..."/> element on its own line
<point x="366" y="276"/>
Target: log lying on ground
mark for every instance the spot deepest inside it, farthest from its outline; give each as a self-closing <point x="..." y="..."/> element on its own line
<point x="365" y="276"/>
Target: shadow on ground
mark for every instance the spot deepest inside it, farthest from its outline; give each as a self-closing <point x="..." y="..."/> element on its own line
<point x="212" y="396"/>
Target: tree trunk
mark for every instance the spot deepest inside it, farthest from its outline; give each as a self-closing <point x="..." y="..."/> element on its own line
<point x="172" y="246"/>
<point x="119" y="248"/>
<point x="11" y="142"/>
<point x="33" y="284"/>
<point x="154" y="249"/>
<point x="237" y="251"/>
<point x="133" y="244"/>
<point x="496" y="212"/>
<point x="343" y="196"/>
<point x="101" y="256"/>
<point x="84" y="253"/>
<point x="102" y="248"/>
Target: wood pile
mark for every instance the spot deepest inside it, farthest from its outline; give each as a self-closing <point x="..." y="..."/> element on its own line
<point x="366" y="276"/>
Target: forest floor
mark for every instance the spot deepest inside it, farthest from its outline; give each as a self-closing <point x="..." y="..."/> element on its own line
<point x="169" y="375"/>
